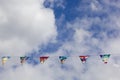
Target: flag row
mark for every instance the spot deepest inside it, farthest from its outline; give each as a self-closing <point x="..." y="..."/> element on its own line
<point x="42" y="59"/>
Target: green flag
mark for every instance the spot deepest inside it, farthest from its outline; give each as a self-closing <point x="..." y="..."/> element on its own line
<point x="105" y="58"/>
<point x="62" y="59"/>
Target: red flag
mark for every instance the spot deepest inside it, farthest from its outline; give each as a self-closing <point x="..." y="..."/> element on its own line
<point x="83" y="58"/>
<point x="43" y="59"/>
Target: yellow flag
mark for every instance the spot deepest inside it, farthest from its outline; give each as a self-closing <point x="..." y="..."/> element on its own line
<point x="4" y="59"/>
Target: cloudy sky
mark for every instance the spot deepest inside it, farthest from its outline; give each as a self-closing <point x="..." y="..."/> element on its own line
<point x="56" y="28"/>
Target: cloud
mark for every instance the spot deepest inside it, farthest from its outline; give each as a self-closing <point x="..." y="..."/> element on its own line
<point x="25" y="25"/>
<point x="93" y="35"/>
<point x="113" y="3"/>
<point x="55" y="3"/>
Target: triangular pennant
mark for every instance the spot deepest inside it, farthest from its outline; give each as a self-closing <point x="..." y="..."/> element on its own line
<point x="43" y="59"/>
<point x="105" y="58"/>
<point x="62" y="59"/>
<point x="23" y="59"/>
<point x="4" y="59"/>
<point x="83" y="58"/>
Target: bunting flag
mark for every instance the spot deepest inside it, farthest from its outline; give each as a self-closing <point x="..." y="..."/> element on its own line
<point x="105" y="58"/>
<point x="43" y="59"/>
<point x="83" y="58"/>
<point x="23" y="59"/>
<point x="4" y="59"/>
<point x="62" y="59"/>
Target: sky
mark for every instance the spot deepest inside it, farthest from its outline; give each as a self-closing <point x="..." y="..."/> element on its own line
<point x="56" y="28"/>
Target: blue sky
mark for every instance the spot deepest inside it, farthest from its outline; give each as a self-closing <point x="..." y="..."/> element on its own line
<point x="79" y="9"/>
<point x="60" y="28"/>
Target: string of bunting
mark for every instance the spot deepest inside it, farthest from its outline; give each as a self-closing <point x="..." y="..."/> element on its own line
<point x="62" y="59"/>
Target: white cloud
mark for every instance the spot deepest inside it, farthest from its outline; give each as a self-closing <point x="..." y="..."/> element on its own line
<point x="113" y="3"/>
<point x="113" y="46"/>
<point x="95" y="6"/>
<point x="84" y="43"/>
<point x="24" y="25"/>
<point x="73" y="69"/>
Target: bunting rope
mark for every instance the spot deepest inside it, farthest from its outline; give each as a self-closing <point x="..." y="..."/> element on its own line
<point x="62" y="59"/>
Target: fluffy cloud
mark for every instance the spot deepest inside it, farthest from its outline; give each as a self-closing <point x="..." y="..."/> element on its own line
<point x="96" y="35"/>
<point x="104" y="38"/>
<point x="24" y="25"/>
